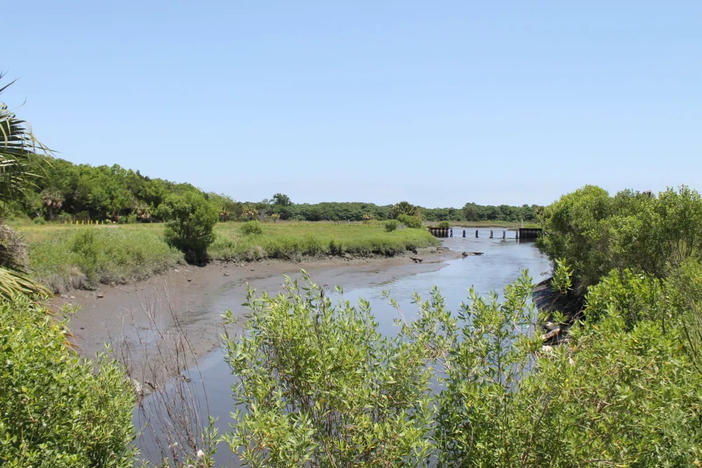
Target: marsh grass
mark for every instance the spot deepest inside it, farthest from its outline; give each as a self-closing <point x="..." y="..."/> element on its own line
<point x="69" y="256"/>
<point x="86" y="256"/>
<point x="295" y="239"/>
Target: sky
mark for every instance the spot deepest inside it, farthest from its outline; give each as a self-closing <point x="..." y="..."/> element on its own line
<point x="438" y="103"/>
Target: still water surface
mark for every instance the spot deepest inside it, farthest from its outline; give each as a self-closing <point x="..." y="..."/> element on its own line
<point x="501" y="263"/>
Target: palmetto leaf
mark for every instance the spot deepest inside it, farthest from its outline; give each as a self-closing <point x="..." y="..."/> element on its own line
<point x="18" y="149"/>
<point x="13" y="284"/>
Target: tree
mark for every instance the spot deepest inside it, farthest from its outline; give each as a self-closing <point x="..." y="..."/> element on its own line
<point x="52" y="200"/>
<point x="191" y="225"/>
<point x="280" y="199"/>
<point x="405" y="208"/>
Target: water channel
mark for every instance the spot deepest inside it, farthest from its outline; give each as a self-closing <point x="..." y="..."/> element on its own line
<point x="500" y="263"/>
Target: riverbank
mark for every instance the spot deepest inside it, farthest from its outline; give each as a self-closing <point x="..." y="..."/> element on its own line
<point x="165" y="323"/>
<point x="71" y="257"/>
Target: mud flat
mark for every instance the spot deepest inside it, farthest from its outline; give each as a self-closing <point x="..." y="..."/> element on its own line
<point x="184" y="305"/>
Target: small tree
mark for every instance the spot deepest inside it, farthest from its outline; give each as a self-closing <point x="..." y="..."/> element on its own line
<point x="404" y="208"/>
<point x="191" y="225"/>
<point x="52" y="200"/>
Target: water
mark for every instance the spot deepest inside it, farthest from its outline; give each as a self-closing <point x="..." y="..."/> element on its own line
<point x="500" y="264"/>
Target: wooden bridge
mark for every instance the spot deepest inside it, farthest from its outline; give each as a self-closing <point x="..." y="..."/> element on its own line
<point x="519" y="233"/>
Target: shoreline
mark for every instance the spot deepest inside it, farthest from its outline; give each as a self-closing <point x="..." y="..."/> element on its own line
<point x="160" y="326"/>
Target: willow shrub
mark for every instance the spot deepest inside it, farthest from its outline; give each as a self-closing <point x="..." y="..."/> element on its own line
<point x="318" y="385"/>
<point x="479" y="420"/>
<point x="56" y="409"/>
<point x="622" y="391"/>
<point x="612" y="397"/>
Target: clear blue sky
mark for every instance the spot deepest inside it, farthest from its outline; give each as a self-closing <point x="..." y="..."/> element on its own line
<point x="438" y="103"/>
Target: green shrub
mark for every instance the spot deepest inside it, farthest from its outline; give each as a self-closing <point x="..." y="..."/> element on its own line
<point x="478" y="410"/>
<point x="410" y="221"/>
<point x="562" y="275"/>
<point x="87" y="251"/>
<point x="191" y="224"/>
<point x="627" y="398"/>
<point x="620" y="391"/>
<point x="444" y="224"/>
<point x="251" y="228"/>
<point x="58" y="409"/>
<point x="317" y="384"/>
<point x="390" y="225"/>
<point x="631" y="296"/>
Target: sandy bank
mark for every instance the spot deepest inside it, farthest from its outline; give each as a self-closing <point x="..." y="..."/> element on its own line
<point x="152" y="321"/>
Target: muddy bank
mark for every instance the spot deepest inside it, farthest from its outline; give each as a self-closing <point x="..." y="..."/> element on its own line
<point x="165" y="323"/>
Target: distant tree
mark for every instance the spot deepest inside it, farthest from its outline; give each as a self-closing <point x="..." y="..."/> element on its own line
<point x="405" y="208"/>
<point x="52" y="200"/>
<point x="280" y="199"/>
<point x="470" y="212"/>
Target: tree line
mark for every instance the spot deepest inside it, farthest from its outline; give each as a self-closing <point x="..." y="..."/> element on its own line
<point x="65" y="191"/>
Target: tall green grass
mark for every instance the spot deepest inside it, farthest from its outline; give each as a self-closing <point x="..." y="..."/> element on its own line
<point x="69" y="256"/>
<point x="291" y="241"/>
<point x="84" y="257"/>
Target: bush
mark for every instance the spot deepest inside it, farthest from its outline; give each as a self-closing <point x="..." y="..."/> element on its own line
<point x="444" y="225"/>
<point x="390" y="225"/>
<point x="58" y="409"/>
<point x="252" y="228"/>
<point x="631" y="398"/>
<point x="191" y="225"/>
<point x="87" y="251"/>
<point x="621" y="391"/>
<point x="317" y="384"/>
<point x="410" y="221"/>
<point x="562" y="275"/>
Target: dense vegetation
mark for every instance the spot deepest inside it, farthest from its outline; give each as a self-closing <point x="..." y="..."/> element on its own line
<point x="624" y="388"/>
<point x="68" y="192"/>
<point x="55" y="410"/>
<point x="596" y="233"/>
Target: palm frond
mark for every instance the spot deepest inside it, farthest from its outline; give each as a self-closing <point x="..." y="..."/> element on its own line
<point x="18" y="151"/>
<point x="13" y="284"/>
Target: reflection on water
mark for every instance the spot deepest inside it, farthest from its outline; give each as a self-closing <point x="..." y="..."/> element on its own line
<point x="501" y="263"/>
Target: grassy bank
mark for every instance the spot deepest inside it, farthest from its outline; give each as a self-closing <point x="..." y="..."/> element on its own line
<point x="295" y="239"/>
<point x="69" y="256"/>
<point x="64" y="257"/>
